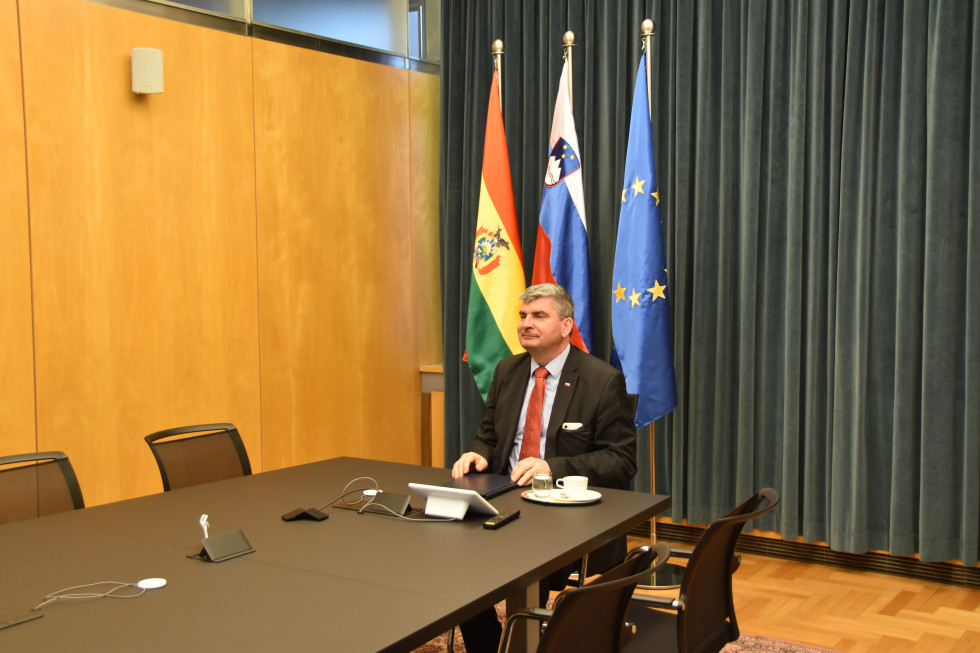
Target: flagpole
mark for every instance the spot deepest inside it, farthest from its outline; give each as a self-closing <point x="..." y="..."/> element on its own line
<point x="647" y="29"/>
<point x="498" y="58"/>
<point x="568" y="42"/>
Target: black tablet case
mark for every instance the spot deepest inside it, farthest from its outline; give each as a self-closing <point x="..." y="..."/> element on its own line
<point x="486" y="485"/>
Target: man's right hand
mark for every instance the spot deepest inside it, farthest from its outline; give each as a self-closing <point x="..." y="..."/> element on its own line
<point x="467" y="461"/>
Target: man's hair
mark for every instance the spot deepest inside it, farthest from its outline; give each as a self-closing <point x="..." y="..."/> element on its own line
<point x="561" y="299"/>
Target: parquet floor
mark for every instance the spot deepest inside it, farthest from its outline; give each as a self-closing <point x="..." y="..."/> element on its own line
<point x="857" y="611"/>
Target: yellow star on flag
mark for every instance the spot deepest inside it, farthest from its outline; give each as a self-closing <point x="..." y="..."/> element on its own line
<point x="624" y="196"/>
<point x="657" y="290"/>
<point x="635" y="298"/>
<point x="656" y="196"/>
<point x="638" y="186"/>
<point x="620" y="292"/>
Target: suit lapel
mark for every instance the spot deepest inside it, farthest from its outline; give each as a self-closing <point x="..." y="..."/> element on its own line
<point x="563" y="397"/>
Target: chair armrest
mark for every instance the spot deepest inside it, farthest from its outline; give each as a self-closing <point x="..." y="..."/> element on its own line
<point x="681" y="552"/>
<point x="675" y="551"/>
<point x="539" y="614"/>
<point x="661" y="602"/>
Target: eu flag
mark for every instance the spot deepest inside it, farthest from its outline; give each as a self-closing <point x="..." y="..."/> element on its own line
<point x="640" y="306"/>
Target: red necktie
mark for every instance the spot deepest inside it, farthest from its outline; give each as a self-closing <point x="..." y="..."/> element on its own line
<point x="531" y="444"/>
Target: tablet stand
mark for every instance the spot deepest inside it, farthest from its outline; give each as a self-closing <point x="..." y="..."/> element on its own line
<point x="446" y="507"/>
<point x="224" y="547"/>
<point x="450" y="502"/>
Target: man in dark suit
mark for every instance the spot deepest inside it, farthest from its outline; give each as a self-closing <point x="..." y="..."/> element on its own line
<point x="586" y="424"/>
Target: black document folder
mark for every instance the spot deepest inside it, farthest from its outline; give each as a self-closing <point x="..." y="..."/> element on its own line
<point x="486" y="485"/>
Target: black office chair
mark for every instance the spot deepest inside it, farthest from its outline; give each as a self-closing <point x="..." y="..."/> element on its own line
<point x="702" y="617"/>
<point x="592" y="617"/>
<point x="36" y="484"/>
<point x="215" y="453"/>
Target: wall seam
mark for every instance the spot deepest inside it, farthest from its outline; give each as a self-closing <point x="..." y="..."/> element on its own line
<point x="30" y="243"/>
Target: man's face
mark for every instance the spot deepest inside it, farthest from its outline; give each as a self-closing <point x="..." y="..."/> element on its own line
<point x="540" y="331"/>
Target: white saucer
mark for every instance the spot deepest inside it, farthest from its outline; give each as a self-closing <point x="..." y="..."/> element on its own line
<point x="557" y="498"/>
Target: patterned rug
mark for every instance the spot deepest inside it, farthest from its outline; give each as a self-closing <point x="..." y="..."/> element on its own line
<point x="744" y="644"/>
<point x="758" y="644"/>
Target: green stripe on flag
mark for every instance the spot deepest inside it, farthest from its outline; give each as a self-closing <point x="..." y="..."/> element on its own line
<point x="485" y="345"/>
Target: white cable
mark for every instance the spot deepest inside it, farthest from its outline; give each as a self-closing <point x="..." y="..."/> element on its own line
<point x="54" y="596"/>
<point x="343" y="495"/>
<point x="377" y="490"/>
<point x="398" y="514"/>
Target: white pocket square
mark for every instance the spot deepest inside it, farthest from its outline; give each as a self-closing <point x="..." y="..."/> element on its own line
<point x="571" y="426"/>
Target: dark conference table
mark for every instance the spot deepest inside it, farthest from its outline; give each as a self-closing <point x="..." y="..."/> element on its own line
<point x="349" y="583"/>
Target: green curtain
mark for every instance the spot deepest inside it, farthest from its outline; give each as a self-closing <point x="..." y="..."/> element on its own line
<point x="819" y="166"/>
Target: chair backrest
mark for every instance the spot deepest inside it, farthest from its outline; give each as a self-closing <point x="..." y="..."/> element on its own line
<point x="707" y="620"/>
<point x="592" y="617"/>
<point x="209" y="452"/>
<point x="36" y="484"/>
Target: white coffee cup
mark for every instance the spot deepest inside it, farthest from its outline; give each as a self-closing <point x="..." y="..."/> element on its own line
<point x="574" y="487"/>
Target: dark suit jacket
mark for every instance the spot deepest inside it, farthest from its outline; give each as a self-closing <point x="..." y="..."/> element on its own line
<point x="590" y="392"/>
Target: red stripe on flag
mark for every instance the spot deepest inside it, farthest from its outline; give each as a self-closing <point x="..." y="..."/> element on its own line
<point x="541" y="273"/>
<point x="496" y="169"/>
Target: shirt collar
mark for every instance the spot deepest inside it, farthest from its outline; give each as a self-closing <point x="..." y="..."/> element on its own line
<point x="556" y="365"/>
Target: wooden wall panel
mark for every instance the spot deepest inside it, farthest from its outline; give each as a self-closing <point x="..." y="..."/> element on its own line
<point x="424" y="116"/>
<point x="17" y="432"/>
<point x="143" y="235"/>
<point x="339" y="374"/>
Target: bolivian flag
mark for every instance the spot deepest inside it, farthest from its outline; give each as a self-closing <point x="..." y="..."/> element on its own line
<point x="498" y="267"/>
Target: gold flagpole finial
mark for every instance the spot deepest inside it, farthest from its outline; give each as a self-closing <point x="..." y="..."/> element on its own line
<point x="497" y="48"/>
<point x="647" y="27"/>
<point x="568" y="42"/>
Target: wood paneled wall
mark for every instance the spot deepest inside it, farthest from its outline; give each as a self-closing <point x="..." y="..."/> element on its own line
<point x="335" y="256"/>
<point x="243" y="247"/>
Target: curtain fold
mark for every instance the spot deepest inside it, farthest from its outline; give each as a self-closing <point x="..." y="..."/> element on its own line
<point x="818" y="168"/>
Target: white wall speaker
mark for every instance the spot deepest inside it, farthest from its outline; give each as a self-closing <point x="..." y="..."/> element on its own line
<point x="147" y="70"/>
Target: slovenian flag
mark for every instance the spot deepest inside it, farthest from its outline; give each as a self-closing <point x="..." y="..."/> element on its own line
<point x="497" y="277"/>
<point x="561" y="253"/>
